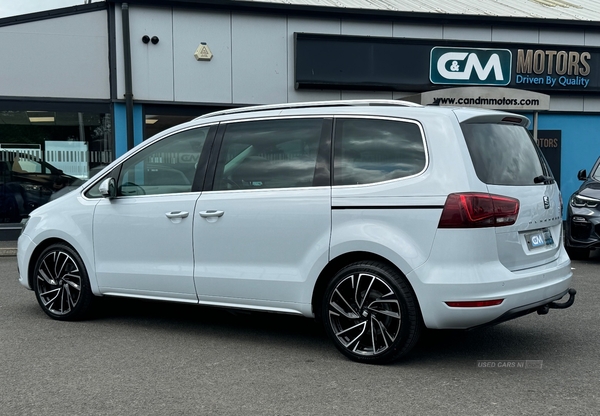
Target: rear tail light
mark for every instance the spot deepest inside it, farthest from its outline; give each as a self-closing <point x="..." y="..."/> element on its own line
<point x="477" y="210"/>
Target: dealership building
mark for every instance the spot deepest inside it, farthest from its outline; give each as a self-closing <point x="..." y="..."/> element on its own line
<point x="79" y="86"/>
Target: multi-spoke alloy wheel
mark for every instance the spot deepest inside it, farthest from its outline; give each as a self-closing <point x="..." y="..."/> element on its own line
<point x="370" y="313"/>
<point x="61" y="283"/>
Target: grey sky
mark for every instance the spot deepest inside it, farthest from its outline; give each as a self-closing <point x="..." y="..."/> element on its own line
<point x="16" y="7"/>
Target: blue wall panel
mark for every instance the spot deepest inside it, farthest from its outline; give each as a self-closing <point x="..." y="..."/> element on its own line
<point x="580" y="145"/>
<point x="120" y="126"/>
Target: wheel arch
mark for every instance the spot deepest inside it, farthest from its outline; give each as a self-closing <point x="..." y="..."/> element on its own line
<point x="343" y="260"/>
<point x="39" y="249"/>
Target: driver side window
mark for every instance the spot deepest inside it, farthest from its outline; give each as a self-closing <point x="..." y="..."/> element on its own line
<point x="165" y="167"/>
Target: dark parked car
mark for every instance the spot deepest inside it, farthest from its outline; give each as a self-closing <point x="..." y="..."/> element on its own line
<point x="582" y="233"/>
<point x="26" y="182"/>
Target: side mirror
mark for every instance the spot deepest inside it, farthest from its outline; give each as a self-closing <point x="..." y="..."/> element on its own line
<point x="108" y="188"/>
<point x="582" y="175"/>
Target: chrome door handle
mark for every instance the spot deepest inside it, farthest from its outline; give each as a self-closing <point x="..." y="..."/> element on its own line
<point x="211" y="213"/>
<point x="177" y="214"/>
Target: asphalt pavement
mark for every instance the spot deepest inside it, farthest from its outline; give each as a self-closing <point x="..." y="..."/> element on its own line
<point x="8" y="248"/>
<point x="150" y="358"/>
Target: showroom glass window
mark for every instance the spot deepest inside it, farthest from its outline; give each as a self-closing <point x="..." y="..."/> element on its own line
<point x="43" y="154"/>
<point x="165" y="167"/>
<point x="269" y="154"/>
<point x="377" y="150"/>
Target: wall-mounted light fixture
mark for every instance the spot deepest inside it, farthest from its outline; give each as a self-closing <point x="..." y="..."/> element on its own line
<point x="203" y="52"/>
<point x="154" y="39"/>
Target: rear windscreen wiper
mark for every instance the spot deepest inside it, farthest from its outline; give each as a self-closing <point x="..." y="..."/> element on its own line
<point x="543" y="179"/>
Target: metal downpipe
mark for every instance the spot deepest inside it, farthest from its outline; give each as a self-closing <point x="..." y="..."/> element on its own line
<point x="128" y="81"/>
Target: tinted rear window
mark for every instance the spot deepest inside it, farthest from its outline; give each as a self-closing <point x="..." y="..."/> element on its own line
<point x="504" y="154"/>
<point x="377" y="150"/>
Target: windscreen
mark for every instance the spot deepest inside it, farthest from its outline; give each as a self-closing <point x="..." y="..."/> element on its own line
<point x="504" y="154"/>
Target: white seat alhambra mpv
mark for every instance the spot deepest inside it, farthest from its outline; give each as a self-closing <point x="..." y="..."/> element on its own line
<point x="378" y="218"/>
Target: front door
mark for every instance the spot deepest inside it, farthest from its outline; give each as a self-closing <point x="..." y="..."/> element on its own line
<point x="143" y="237"/>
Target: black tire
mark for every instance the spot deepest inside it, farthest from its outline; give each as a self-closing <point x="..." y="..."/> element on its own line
<point x="61" y="284"/>
<point x="578" y="253"/>
<point x="371" y="313"/>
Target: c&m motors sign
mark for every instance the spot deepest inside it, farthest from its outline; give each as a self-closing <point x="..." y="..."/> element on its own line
<point x="345" y="62"/>
<point x="470" y="66"/>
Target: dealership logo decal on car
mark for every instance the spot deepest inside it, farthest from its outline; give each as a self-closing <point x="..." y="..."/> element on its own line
<point x="470" y="66"/>
<point x="546" y="202"/>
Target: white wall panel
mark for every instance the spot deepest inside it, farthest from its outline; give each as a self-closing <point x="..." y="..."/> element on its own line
<point x="65" y="57"/>
<point x="361" y="28"/>
<point x="513" y="34"/>
<point x="259" y="58"/>
<point x="560" y="103"/>
<point x="592" y="38"/>
<point x="152" y="65"/>
<point x="202" y="81"/>
<point x="253" y="59"/>
<point x="591" y="104"/>
<point x="417" y="31"/>
<point x="367" y="95"/>
<point x="399" y="95"/>
<point x="332" y="27"/>
<point x="561" y="37"/>
<point x="478" y="33"/>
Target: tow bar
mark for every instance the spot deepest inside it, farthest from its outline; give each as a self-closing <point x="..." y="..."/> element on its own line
<point x="543" y="310"/>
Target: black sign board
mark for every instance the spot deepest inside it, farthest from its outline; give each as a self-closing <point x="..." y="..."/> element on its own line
<point x="401" y="64"/>
<point x="549" y="142"/>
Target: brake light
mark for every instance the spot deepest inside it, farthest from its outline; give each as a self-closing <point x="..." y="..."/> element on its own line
<point x="477" y="210"/>
<point x="475" y="303"/>
<point x="512" y="120"/>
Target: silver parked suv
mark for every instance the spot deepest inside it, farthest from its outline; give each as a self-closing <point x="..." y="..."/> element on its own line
<point x="379" y="218"/>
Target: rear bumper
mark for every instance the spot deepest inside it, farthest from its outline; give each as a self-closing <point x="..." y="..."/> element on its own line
<point x="540" y="307"/>
<point x="522" y="292"/>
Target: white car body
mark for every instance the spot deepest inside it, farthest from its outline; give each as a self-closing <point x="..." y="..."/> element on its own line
<point x="269" y="249"/>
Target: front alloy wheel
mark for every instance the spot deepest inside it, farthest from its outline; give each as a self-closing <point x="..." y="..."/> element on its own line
<point x="61" y="284"/>
<point x="370" y="313"/>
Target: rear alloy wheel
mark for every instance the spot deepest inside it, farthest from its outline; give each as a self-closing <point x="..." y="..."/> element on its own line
<point x="61" y="283"/>
<point x="370" y="313"/>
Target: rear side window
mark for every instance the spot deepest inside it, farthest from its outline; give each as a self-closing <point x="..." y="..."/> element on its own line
<point x="269" y="154"/>
<point x="377" y="150"/>
<point x="504" y="154"/>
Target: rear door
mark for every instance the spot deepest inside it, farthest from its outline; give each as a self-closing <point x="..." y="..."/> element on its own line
<point x="509" y="162"/>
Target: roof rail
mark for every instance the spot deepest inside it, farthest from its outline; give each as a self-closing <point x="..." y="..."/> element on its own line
<point x="286" y="106"/>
